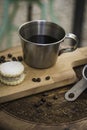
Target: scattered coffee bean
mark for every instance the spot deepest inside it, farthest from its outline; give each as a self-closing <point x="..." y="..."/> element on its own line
<point x="2" y="58"/>
<point x="55" y="97"/>
<point x="47" y="77"/>
<point x="3" y="61"/>
<point x="9" y="55"/>
<point x="43" y="99"/>
<point x="38" y="79"/>
<point x="40" y="102"/>
<point x="48" y="104"/>
<point x="34" y="79"/>
<point x="20" y="58"/>
<point x="14" y="59"/>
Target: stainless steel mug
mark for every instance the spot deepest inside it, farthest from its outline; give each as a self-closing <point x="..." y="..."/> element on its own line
<point x="41" y="41"/>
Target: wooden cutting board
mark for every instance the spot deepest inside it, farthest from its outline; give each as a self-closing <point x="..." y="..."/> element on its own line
<point x="61" y="74"/>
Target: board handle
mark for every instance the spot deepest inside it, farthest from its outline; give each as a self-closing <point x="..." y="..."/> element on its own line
<point x="76" y="58"/>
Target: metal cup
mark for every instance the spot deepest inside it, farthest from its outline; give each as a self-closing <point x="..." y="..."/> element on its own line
<point x="39" y="55"/>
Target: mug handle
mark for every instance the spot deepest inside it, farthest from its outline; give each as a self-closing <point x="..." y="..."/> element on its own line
<point x="73" y="47"/>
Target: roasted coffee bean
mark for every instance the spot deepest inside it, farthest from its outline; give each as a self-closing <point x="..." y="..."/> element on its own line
<point x="20" y="58"/>
<point x="9" y="55"/>
<point x="38" y="79"/>
<point x="43" y="99"/>
<point x="40" y="102"/>
<point x="47" y="77"/>
<point x="14" y="59"/>
<point x="3" y="61"/>
<point x="34" y="79"/>
<point x="2" y="58"/>
<point x="55" y="97"/>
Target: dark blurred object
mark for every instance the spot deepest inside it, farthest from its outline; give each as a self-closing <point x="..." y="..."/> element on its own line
<point x="7" y="25"/>
<point x="40" y="4"/>
<point x="79" y="19"/>
<point x="43" y="8"/>
<point x="29" y="15"/>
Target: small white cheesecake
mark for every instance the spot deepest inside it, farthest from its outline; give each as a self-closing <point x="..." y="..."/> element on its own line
<point x="12" y="73"/>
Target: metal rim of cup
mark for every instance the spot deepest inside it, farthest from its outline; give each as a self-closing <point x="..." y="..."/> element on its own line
<point x="83" y="72"/>
<point x="37" y="22"/>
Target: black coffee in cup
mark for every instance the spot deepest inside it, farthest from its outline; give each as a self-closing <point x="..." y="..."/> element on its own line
<point x="42" y="39"/>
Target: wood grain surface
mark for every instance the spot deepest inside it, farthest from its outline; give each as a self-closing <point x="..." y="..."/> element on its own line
<point x="61" y="74"/>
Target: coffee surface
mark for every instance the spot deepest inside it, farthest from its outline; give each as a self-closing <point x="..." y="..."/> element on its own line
<point x="42" y="39"/>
